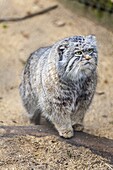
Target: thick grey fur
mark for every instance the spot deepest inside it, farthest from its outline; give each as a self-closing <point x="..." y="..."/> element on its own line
<point x="59" y="82"/>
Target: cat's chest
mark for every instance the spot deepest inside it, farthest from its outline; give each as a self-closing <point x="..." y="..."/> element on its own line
<point x="70" y="97"/>
<point x="75" y="98"/>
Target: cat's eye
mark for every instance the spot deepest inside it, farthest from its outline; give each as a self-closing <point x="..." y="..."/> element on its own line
<point x="78" y="52"/>
<point x="90" y="50"/>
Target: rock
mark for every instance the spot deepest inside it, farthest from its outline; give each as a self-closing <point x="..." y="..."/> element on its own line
<point x="22" y="60"/>
<point x="59" y="23"/>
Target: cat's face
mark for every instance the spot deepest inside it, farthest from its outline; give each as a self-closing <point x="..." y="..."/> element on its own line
<point x="77" y="56"/>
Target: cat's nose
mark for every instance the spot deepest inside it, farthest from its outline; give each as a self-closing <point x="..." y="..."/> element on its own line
<point x="87" y="57"/>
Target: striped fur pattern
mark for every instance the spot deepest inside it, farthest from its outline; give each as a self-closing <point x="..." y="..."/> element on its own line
<point x="59" y="82"/>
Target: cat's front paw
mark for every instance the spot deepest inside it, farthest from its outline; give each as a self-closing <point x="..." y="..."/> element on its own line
<point x="68" y="133"/>
<point x="78" y="127"/>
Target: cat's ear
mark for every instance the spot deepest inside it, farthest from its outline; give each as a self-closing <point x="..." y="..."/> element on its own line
<point x="92" y="39"/>
<point x="61" y="49"/>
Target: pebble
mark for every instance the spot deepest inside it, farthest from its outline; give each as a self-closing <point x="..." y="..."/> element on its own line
<point x="59" y="23"/>
<point x="22" y="60"/>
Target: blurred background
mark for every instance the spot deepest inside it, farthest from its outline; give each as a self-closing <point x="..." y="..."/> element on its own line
<point x="27" y="25"/>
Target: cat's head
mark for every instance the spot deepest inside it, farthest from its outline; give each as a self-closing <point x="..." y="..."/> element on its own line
<point x="76" y="56"/>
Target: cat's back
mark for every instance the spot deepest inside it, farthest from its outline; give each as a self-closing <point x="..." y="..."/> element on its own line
<point x="31" y="75"/>
<point x="35" y="59"/>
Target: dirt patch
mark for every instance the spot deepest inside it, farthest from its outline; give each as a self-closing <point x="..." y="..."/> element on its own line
<point x="47" y="153"/>
<point x="18" y="40"/>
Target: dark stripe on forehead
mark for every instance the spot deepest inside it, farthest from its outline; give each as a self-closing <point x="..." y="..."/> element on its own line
<point x="77" y="39"/>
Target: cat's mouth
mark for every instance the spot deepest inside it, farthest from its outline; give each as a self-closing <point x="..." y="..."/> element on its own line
<point x="75" y="66"/>
<point x="85" y="67"/>
<point x="80" y="68"/>
<point x="87" y="63"/>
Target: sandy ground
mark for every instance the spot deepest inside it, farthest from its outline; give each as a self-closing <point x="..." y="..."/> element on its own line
<point x="17" y="41"/>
